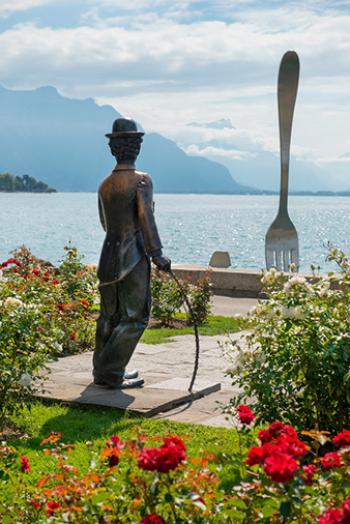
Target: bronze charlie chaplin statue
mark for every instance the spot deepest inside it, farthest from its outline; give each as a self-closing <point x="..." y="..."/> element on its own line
<point x="126" y="213"/>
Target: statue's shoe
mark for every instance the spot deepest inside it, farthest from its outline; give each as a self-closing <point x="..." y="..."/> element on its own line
<point x="125" y="384"/>
<point x="127" y="376"/>
<point x="128" y="384"/>
<point x="131" y="374"/>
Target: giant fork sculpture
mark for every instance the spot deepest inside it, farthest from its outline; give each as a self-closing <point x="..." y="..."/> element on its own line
<point x="281" y="242"/>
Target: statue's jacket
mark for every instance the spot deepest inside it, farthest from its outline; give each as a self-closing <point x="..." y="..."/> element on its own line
<point x="126" y="211"/>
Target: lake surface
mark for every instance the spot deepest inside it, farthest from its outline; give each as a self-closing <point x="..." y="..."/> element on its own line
<point x="191" y="226"/>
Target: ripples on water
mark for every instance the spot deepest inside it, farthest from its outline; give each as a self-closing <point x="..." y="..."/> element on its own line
<point x="191" y="226"/>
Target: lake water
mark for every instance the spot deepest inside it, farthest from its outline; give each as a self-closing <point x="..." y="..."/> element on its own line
<point x="191" y="226"/>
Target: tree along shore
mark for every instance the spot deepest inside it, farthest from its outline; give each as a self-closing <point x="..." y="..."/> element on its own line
<point x="26" y="184"/>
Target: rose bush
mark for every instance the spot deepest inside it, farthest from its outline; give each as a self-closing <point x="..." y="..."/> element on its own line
<point x="27" y="341"/>
<point x="296" y="359"/>
<point x="66" y="294"/>
<point x="167" y="298"/>
<point x="276" y="476"/>
<point x="44" y="312"/>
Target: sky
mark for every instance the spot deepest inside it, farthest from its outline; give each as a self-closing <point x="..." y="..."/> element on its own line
<point x="177" y="65"/>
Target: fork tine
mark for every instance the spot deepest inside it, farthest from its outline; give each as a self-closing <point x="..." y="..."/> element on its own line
<point x="269" y="255"/>
<point x="294" y="257"/>
<point x="276" y="259"/>
<point x="280" y="260"/>
<point x="285" y="260"/>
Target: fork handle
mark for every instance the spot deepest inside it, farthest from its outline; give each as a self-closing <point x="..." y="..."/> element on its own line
<point x="288" y="78"/>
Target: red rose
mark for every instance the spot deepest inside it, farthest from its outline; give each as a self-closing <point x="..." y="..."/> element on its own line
<point x="55" y="282"/>
<point x="169" y="458"/>
<point x="346" y="507"/>
<point x="51" y="507"/>
<point x="25" y="466"/>
<point x="309" y="471"/>
<point x="35" y="504"/>
<point x="280" y="467"/>
<point x="331" y="516"/>
<point x="245" y="414"/>
<point x="164" y="459"/>
<point x="277" y="429"/>
<point x="12" y="261"/>
<point x="148" y="459"/>
<point x="36" y="271"/>
<point x="295" y="448"/>
<point x="113" y="459"/>
<point x="331" y="460"/>
<point x="152" y="519"/>
<point x="114" y="446"/>
<point x="342" y="440"/>
<point x="114" y="442"/>
<point x="256" y="455"/>
<point x="175" y="441"/>
<point x="264" y="435"/>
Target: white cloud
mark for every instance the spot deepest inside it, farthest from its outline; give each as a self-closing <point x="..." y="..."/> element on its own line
<point x="211" y="151"/>
<point x="167" y="74"/>
<point x="8" y="7"/>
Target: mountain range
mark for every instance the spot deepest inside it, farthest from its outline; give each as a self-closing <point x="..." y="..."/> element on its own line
<point x="254" y="166"/>
<point x="61" y="142"/>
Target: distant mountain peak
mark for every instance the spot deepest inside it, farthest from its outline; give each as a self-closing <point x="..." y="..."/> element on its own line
<point x="223" y="123"/>
<point x="62" y="142"/>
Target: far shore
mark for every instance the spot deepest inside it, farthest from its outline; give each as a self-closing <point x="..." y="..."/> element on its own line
<point x="260" y="193"/>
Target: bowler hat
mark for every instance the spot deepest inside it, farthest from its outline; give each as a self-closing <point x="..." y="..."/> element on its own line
<point x="124" y="127"/>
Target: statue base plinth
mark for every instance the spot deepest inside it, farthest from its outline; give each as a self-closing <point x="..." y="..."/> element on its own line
<point x="68" y="380"/>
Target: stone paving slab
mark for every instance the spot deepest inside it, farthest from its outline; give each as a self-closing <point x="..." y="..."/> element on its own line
<point x="167" y="370"/>
<point x="146" y="401"/>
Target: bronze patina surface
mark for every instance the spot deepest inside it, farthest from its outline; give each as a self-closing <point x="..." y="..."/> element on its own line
<point x="125" y="203"/>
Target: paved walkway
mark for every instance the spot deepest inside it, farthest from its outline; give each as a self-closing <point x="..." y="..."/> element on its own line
<point x="229" y="306"/>
<point x="213" y="366"/>
<point x="167" y="369"/>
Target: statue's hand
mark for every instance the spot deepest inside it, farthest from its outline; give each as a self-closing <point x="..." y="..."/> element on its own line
<point x="162" y="263"/>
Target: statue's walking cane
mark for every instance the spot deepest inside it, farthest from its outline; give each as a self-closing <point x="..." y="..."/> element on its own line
<point x="193" y="318"/>
<point x="195" y="325"/>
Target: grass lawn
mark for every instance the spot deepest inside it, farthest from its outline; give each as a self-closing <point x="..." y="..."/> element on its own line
<point x="88" y="428"/>
<point x="215" y="326"/>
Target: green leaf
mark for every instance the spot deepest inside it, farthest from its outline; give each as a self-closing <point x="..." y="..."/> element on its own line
<point x="285" y="508"/>
<point x="168" y="497"/>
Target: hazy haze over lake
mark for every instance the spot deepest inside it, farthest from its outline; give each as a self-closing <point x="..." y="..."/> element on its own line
<point x="191" y="226"/>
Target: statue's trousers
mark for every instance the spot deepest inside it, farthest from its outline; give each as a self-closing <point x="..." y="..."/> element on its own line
<point x="124" y="315"/>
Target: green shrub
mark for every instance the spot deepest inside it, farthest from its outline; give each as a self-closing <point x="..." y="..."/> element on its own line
<point x="296" y="360"/>
<point x="168" y="299"/>
<point x="199" y="296"/>
<point x="27" y="341"/>
<point x="67" y="294"/>
<point x="44" y="312"/>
